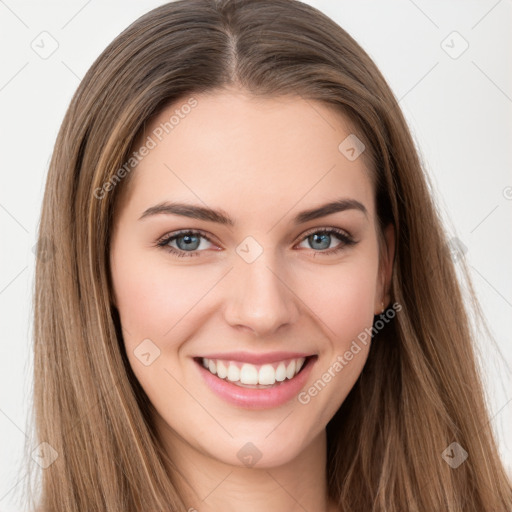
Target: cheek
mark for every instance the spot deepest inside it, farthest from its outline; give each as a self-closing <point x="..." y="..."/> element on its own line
<point x="158" y="305"/>
<point x="342" y="296"/>
<point x="153" y="298"/>
<point x="345" y="308"/>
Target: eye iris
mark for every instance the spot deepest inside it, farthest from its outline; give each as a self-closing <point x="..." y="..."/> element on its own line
<point x="317" y="238"/>
<point x="190" y="241"/>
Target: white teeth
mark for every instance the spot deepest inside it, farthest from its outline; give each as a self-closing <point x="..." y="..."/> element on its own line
<point x="280" y="372"/>
<point x="249" y="374"/>
<point x="290" y="369"/>
<point x="266" y="374"/>
<point x="222" y="371"/>
<point x="233" y="373"/>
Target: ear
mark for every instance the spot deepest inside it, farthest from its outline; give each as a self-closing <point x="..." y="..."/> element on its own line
<point x="386" y="259"/>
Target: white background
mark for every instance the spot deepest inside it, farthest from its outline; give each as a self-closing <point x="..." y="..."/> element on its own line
<point x="459" y="111"/>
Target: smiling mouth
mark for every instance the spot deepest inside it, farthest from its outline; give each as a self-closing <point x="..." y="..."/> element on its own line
<point x="255" y="376"/>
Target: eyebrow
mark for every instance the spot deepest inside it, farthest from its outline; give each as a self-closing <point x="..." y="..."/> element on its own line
<point x="221" y="217"/>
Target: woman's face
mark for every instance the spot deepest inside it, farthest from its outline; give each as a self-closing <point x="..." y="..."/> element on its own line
<point x="280" y="284"/>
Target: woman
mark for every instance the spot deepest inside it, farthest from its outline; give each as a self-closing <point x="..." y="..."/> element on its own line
<point x="250" y="302"/>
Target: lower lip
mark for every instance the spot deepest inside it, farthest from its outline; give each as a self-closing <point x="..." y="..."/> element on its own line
<point x="251" y="398"/>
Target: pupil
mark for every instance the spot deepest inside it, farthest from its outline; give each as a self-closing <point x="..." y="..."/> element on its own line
<point x="318" y="237"/>
<point x="188" y="239"/>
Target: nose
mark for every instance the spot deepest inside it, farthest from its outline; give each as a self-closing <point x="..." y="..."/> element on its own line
<point x="260" y="299"/>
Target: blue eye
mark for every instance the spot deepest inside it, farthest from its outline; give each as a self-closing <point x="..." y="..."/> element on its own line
<point x="189" y="242"/>
<point x="321" y="239"/>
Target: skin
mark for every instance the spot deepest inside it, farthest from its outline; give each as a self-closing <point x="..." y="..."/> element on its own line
<point x="261" y="161"/>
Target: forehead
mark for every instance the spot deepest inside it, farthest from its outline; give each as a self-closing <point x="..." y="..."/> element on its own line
<point x="249" y="155"/>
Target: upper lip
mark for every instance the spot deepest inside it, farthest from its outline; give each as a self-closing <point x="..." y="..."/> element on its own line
<point x="261" y="358"/>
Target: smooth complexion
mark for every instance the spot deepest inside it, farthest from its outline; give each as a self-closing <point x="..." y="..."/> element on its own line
<point x="261" y="162"/>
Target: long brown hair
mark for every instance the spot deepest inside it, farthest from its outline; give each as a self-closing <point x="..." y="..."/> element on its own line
<point x="420" y="390"/>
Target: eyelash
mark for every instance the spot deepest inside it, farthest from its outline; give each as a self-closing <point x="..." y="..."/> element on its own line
<point x="345" y="239"/>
